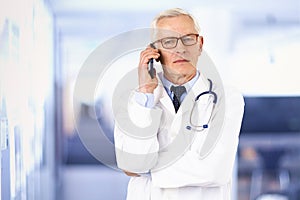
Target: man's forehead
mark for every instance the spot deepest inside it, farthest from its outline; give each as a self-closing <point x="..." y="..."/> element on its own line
<point x="175" y="26"/>
<point x="166" y="33"/>
<point x="163" y="33"/>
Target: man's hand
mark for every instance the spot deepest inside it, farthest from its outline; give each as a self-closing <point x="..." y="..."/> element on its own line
<point x="146" y="83"/>
<point x="130" y="173"/>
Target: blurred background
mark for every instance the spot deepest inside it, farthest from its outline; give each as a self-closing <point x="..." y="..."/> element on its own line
<point x="44" y="43"/>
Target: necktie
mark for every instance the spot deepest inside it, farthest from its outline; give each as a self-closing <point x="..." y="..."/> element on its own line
<point x="177" y="91"/>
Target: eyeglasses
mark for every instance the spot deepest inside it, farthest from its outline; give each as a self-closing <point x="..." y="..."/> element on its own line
<point x="171" y="42"/>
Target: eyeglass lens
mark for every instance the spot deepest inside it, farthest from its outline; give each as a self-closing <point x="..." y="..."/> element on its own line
<point x="187" y="40"/>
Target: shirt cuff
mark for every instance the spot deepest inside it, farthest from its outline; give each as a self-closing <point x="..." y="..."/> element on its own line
<point x="145" y="99"/>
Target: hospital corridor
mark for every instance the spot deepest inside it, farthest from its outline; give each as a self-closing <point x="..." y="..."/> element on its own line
<point x="62" y="65"/>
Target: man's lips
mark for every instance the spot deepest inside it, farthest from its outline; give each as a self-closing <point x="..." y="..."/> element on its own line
<point x="180" y="61"/>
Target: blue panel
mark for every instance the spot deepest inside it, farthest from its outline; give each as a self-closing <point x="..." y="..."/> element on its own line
<point x="271" y="114"/>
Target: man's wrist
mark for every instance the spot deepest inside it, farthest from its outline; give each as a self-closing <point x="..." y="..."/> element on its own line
<point x="146" y="89"/>
<point x="145" y="99"/>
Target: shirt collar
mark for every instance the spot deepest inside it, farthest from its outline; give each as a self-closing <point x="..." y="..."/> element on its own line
<point x="188" y="85"/>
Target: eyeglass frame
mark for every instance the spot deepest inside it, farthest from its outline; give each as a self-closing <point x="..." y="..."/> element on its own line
<point x="177" y="38"/>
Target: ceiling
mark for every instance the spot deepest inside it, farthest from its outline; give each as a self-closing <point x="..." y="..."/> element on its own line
<point x="137" y="5"/>
<point x="233" y="24"/>
<point x="79" y="17"/>
<point x="89" y="22"/>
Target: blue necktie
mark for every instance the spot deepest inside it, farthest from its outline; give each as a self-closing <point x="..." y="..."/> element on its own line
<point x="177" y="91"/>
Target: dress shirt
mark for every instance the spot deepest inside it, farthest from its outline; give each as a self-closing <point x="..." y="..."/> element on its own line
<point x="147" y="99"/>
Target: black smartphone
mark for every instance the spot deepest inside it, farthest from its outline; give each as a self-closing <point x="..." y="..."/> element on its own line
<point x="150" y="65"/>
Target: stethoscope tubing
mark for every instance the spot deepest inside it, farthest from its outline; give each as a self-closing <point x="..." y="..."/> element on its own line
<point x="204" y="126"/>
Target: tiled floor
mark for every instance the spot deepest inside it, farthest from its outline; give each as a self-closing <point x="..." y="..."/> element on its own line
<point x="93" y="182"/>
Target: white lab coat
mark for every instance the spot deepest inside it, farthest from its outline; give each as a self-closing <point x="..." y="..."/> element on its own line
<point x="203" y="171"/>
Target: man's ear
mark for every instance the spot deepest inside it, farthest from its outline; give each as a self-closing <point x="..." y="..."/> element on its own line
<point x="200" y="44"/>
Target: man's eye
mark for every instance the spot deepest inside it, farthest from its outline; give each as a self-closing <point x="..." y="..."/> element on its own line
<point x="169" y="42"/>
<point x="188" y="39"/>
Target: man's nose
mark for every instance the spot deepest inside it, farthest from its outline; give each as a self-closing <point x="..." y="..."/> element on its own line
<point x="180" y="48"/>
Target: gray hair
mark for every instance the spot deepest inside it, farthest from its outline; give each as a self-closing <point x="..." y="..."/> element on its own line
<point x="174" y="12"/>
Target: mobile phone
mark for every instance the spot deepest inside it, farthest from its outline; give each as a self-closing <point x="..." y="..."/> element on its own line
<point x="151" y="68"/>
<point x="150" y="65"/>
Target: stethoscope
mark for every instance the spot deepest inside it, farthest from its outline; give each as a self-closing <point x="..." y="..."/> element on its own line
<point x="204" y="126"/>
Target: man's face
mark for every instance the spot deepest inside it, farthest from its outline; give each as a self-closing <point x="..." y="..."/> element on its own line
<point x="181" y="60"/>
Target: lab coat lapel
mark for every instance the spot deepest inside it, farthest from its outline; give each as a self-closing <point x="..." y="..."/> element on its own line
<point x="163" y="98"/>
<point x="167" y="102"/>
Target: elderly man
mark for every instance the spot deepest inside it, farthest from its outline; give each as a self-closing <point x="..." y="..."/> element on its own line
<point x="168" y="97"/>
